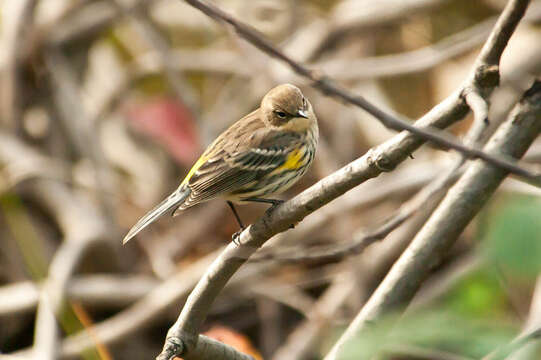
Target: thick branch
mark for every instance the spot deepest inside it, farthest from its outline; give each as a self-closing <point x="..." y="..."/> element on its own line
<point x="208" y="348"/>
<point x="486" y="74"/>
<point x="383" y="158"/>
<point x="455" y="212"/>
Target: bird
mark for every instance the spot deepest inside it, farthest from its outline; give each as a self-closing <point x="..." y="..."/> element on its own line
<point x="262" y="154"/>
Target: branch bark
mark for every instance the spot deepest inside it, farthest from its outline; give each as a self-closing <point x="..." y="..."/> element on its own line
<point x="182" y="337"/>
<point x="486" y="75"/>
<point x="455" y="212"/>
<point x="18" y="20"/>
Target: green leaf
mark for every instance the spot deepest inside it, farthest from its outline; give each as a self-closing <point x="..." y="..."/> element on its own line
<point x="513" y="238"/>
<point x="437" y="330"/>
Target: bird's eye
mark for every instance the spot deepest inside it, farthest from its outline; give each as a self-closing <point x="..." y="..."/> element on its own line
<point x="281" y="114"/>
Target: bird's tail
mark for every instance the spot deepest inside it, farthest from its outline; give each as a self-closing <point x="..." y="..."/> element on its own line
<point x="170" y="203"/>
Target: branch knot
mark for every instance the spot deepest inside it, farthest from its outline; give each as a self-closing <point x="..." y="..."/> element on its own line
<point x="173" y="347"/>
<point x="487" y="76"/>
<point x="380" y="161"/>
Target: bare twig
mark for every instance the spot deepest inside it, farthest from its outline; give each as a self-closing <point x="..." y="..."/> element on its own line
<point x="80" y="132"/>
<point x="148" y="308"/>
<point x="412" y="61"/>
<point x="143" y="311"/>
<point x="208" y="348"/>
<point x="23" y="162"/>
<point x="147" y="30"/>
<point x="303" y="340"/>
<point x="319" y="318"/>
<point x="18" y="20"/>
<point x="479" y="106"/>
<point x="206" y="60"/>
<point x="486" y="74"/>
<point x="285" y="294"/>
<point x="461" y="204"/>
<point x="403" y="182"/>
<point x="93" y="290"/>
<point x="82" y="227"/>
<point x="350" y="17"/>
<point x="182" y="337"/>
<point x="87" y="20"/>
<point x="362" y="240"/>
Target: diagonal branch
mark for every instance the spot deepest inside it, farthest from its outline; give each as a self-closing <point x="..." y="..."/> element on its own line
<point x="462" y="203"/>
<point x="182" y="338"/>
<point x="17" y="21"/>
<point x="486" y="74"/>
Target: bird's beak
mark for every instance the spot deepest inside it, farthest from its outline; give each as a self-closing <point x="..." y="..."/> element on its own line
<point x="302" y="113"/>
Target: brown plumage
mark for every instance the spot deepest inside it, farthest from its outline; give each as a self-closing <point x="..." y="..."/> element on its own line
<point x="263" y="153"/>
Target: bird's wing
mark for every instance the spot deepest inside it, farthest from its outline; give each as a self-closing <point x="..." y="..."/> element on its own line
<point x="238" y="160"/>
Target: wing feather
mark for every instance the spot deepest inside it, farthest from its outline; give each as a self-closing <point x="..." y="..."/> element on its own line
<point x="242" y="155"/>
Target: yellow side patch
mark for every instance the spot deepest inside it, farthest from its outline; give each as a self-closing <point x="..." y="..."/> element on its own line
<point x="194" y="168"/>
<point x="293" y="160"/>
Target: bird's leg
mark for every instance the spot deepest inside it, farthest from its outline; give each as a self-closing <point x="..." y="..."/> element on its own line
<point x="274" y="203"/>
<point x="236" y="236"/>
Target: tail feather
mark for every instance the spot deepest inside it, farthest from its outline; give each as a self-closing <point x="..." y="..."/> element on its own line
<point x="171" y="202"/>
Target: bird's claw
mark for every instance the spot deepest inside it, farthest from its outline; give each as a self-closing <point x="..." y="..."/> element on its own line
<point x="236" y="237"/>
<point x="274" y="205"/>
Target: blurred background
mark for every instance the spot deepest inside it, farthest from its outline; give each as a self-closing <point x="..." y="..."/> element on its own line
<point x="105" y="105"/>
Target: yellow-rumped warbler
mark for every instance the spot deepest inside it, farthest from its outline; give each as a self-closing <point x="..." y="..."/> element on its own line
<point x="263" y="153"/>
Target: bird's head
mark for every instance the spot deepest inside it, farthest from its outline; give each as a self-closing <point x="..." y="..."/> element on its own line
<point x="286" y="107"/>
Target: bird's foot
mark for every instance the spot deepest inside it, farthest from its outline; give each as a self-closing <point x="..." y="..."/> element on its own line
<point x="236" y="237"/>
<point x="274" y="203"/>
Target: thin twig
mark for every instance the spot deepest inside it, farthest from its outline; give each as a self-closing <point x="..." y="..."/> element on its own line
<point x="82" y="132"/>
<point x="362" y="240"/>
<point x="148" y="31"/>
<point x="82" y="228"/>
<point x="486" y="74"/>
<point x="93" y="290"/>
<point x="18" y="20"/>
<point x="147" y="309"/>
<point x="86" y="21"/>
<point x="461" y="204"/>
<point x="303" y="340"/>
<point x="320" y="317"/>
<point x="183" y="335"/>
<point x="411" y="61"/>
<point x="349" y="17"/>
<point x="479" y="106"/>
